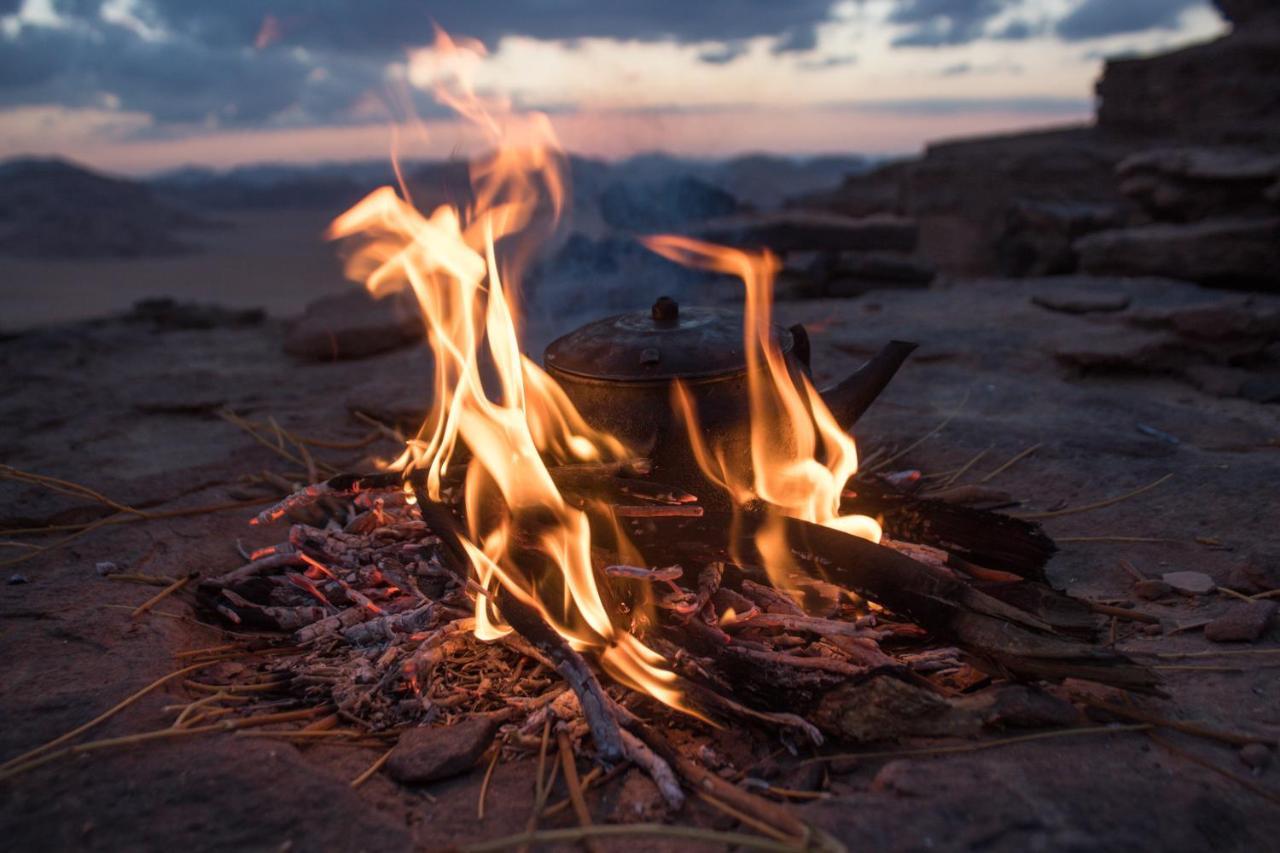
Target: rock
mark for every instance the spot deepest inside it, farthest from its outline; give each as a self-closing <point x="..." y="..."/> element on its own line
<point x="1262" y="389"/>
<point x="1151" y="589"/>
<point x="1190" y="583"/>
<point x="1260" y="572"/>
<point x="165" y="314"/>
<point x="1243" y="623"/>
<point x="1241" y="253"/>
<point x="1186" y="184"/>
<point x="1255" y="756"/>
<point x="1219" y="91"/>
<point x="638" y="801"/>
<point x="394" y="400"/>
<point x="1038" y="234"/>
<point x="17" y="579"/>
<point x="806" y="231"/>
<point x="428" y="754"/>
<point x="1250" y="13"/>
<point x="354" y="325"/>
<point x="1229" y="320"/>
<point x="1082" y="302"/>
<point x="1218" y="381"/>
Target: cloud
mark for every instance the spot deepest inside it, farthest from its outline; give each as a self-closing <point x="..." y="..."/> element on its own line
<point x="1017" y="30"/>
<point x="935" y="23"/>
<point x="796" y="40"/>
<point x="1100" y="18"/>
<point x="391" y="25"/>
<point x="723" y="54"/>
<point x="960" y="106"/>
<point x="827" y="62"/>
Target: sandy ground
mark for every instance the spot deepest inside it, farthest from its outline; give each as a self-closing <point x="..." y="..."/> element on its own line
<point x="277" y="260"/>
<point x="129" y="410"/>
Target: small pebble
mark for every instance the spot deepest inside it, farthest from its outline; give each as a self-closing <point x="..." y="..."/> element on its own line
<point x="1190" y="583"/>
<point x="1255" y="755"/>
<point x="14" y="580"/>
<point x="106" y="567"/>
<point x="1151" y="590"/>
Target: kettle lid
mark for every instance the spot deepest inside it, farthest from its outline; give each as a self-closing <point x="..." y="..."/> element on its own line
<point x="667" y="342"/>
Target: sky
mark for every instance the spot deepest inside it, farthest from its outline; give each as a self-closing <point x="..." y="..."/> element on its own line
<point x="138" y="86"/>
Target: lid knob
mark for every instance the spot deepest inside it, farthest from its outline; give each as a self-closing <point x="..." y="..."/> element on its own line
<point x="666" y="311"/>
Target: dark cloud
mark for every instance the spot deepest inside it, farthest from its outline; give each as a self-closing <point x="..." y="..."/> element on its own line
<point x="9" y="7"/>
<point x="936" y="23"/>
<point x="723" y="54"/>
<point x="796" y="40"/>
<point x="1098" y="18"/>
<point x="1017" y="30"/>
<point x="382" y="25"/>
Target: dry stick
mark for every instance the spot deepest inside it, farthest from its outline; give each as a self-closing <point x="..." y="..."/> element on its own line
<point x="1231" y="592"/>
<point x="1006" y="466"/>
<point x="963" y="469"/>
<point x="1132" y="570"/>
<point x="880" y="466"/>
<point x="642" y="830"/>
<point x="161" y="596"/>
<point x="1121" y="613"/>
<point x="745" y="819"/>
<point x="484" y="785"/>
<point x="101" y="718"/>
<point x="1057" y="513"/>
<point x="1232" y="738"/>
<point x="65" y="487"/>
<point x="594" y="774"/>
<point x="371" y="769"/>
<point x="1248" y="784"/>
<point x="977" y="747"/>
<point x="1113" y="538"/>
<point x="1212" y="654"/>
<point x="210" y="650"/>
<point x="574" y="784"/>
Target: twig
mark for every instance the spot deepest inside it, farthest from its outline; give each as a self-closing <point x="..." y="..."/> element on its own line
<point x="574" y="784"/>
<point x="1058" y="513"/>
<point x="1233" y="738"/>
<point x="1121" y="613"/>
<point x="161" y="596"/>
<point x="645" y="830"/>
<point x="1006" y="466"/>
<point x="745" y="819"/>
<point x="963" y="469"/>
<point x="1248" y="784"/>
<point x="976" y="747"/>
<point x="484" y="785"/>
<point x="101" y="718"/>
<point x="371" y="769"/>
<point x="884" y="463"/>
<point x="1212" y="654"/>
<point x="1132" y="570"/>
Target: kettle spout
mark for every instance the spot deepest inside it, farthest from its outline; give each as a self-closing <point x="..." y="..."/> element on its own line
<point x="849" y="399"/>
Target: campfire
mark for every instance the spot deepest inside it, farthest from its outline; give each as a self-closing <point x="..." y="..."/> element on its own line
<point x="656" y="544"/>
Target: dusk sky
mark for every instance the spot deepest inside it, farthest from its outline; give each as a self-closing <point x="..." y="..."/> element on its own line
<point x="143" y="85"/>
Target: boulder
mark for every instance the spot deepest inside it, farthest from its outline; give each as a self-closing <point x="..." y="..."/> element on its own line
<point x="354" y="325"/>
<point x="1189" y="183"/>
<point x="1190" y="583"/>
<point x="429" y="754"/>
<point x="1038" y="234"/>
<point x="1082" y="301"/>
<point x="1242" y="253"/>
<point x="1243" y="623"/>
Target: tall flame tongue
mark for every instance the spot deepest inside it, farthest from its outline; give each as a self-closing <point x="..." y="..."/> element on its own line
<point x="790" y="423"/>
<point x="522" y="535"/>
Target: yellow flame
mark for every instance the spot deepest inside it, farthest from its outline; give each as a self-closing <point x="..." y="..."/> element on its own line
<point x="800" y="457"/>
<point x="522" y="536"/>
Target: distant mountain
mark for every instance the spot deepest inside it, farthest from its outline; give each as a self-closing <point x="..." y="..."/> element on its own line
<point x="52" y="208"/>
<point x="274" y="186"/>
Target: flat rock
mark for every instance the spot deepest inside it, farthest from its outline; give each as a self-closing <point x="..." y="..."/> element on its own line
<point x="1151" y="589"/>
<point x="809" y="231"/>
<point x="1222" y="252"/>
<point x="1243" y="623"/>
<point x="1190" y="583"/>
<point x="354" y="325"/>
<point x="431" y="753"/>
<point x="1082" y="302"/>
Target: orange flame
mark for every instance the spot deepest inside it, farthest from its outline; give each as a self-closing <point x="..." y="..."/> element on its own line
<point x="522" y="536"/>
<point x="790" y="423"/>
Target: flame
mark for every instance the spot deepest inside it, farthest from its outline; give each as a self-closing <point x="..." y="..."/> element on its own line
<point x="800" y="457"/>
<point x="522" y="537"/>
